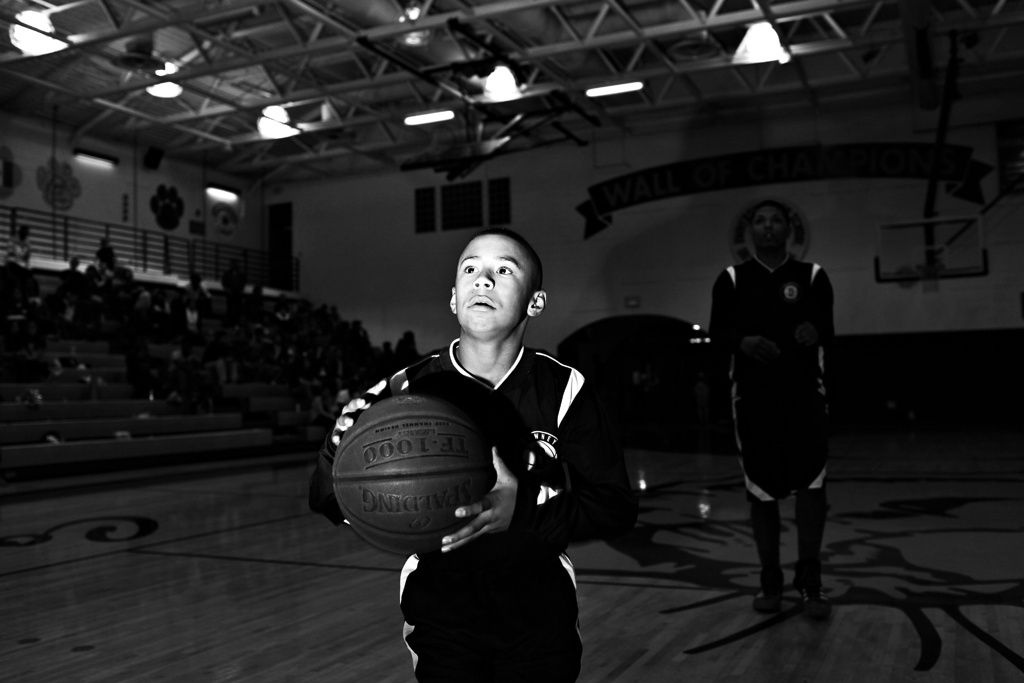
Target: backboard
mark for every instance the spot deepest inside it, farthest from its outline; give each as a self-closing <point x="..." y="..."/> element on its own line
<point x="930" y="248"/>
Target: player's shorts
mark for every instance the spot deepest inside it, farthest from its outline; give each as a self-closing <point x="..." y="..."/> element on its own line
<point x="783" y="442"/>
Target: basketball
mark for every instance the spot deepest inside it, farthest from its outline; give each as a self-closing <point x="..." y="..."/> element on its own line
<point x="404" y="466"/>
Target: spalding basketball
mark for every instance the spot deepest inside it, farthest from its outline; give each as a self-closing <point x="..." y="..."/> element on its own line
<point x="403" y="468"/>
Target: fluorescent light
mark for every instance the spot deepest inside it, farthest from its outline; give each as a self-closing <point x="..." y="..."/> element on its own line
<point x="222" y="193"/>
<point x="606" y="90"/>
<point x="273" y="124"/>
<point x="429" y="117"/>
<point x="166" y="89"/>
<point x="95" y="158"/>
<point x="34" y="42"/>
<point x="761" y="44"/>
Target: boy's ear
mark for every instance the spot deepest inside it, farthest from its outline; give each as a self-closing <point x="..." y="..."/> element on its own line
<point x="451" y="304"/>
<point x="537" y="303"/>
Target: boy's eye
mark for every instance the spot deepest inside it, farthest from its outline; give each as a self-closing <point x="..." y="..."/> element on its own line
<point x="504" y="270"/>
<point x="469" y="269"/>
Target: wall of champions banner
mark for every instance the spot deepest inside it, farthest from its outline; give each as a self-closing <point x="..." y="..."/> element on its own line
<point x="956" y="168"/>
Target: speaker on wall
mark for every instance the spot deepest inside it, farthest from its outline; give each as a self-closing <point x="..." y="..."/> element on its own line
<point x="152" y="158"/>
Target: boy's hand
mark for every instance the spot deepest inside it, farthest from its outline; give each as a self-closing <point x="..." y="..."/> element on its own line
<point x="492" y="514"/>
<point x="347" y="418"/>
<point x="760" y="348"/>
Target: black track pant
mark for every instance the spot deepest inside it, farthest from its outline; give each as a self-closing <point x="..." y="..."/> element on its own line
<point x="506" y="625"/>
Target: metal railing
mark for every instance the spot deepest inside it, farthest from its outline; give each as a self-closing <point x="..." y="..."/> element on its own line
<point x="59" y="237"/>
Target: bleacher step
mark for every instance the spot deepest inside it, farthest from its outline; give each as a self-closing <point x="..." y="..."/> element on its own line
<point x="66" y="391"/>
<point x="70" y="410"/>
<point x="91" y="359"/>
<point x="98" y="450"/>
<point x="71" y="430"/>
<point x="249" y="389"/>
<point x="257" y="404"/>
<point x="67" y="347"/>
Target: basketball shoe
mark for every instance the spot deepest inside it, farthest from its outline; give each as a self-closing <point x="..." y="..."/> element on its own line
<point x="816" y="605"/>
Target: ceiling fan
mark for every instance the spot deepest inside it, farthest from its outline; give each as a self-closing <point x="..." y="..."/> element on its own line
<point x="138" y="55"/>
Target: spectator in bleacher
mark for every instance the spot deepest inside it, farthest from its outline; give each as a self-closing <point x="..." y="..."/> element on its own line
<point x="324" y="410"/>
<point x="15" y="317"/>
<point x="102" y="286"/>
<point x="283" y="314"/>
<point x="106" y="259"/>
<point x="233" y="282"/>
<point x="176" y="307"/>
<point x="73" y="279"/>
<point x="26" y="342"/>
<point x="122" y="294"/>
<point x="142" y="311"/>
<point x="187" y="384"/>
<point x="357" y="353"/>
<point x="254" y="312"/>
<point x="239" y="340"/>
<point x="17" y="266"/>
<point x="76" y="305"/>
<point x="160" y="317"/>
<point x="143" y="371"/>
<point x="405" y="351"/>
<point x="191" y="325"/>
<point x="197" y="293"/>
<point x="385" y="361"/>
<point x="218" y="358"/>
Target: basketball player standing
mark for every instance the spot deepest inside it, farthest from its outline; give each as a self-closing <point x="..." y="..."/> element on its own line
<point x="773" y="315"/>
<point x="497" y="602"/>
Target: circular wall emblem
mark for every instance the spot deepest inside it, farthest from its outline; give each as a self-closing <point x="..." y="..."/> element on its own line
<point x="225" y="218"/>
<point x="742" y="247"/>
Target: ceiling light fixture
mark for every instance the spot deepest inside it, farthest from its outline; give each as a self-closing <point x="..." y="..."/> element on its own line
<point x="500" y="85"/>
<point x="165" y="89"/>
<point x="35" y="40"/>
<point x="605" y="90"/>
<point x="761" y="44"/>
<point x="97" y="159"/>
<point x="429" y="117"/>
<point x="274" y="123"/>
<point x="412" y="11"/>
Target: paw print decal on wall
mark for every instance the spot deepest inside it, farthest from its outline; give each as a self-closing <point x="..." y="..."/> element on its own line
<point x="167" y="206"/>
<point x="58" y="183"/>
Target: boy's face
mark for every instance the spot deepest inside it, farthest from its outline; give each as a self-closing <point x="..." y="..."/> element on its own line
<point x="769" y="228"/>
<point x="493" y="290"/>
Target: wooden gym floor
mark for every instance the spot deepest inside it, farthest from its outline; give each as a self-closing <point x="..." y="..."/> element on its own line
<point x="223" y="575"/>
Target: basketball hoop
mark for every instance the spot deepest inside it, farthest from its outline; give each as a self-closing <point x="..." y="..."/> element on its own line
<point x="929" y="274"/>
<point x="930" y="249"/>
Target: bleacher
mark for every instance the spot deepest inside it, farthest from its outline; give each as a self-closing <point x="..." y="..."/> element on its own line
<point x="88" y="417"/>
<point x="85" y="419"/>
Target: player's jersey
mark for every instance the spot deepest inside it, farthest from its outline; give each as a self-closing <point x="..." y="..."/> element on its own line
<point x="572" y="451"/>
<point x="752" y="299"/>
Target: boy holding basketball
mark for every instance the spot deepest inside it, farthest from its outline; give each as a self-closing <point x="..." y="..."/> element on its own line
<point x="497" y="601"/>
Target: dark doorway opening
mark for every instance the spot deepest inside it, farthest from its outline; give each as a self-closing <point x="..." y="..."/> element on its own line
<point x="656" y="377"/>
<point x="279" y="245"/>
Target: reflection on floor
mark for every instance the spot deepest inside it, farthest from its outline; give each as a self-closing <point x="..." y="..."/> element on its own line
<point x="223" y="575"/>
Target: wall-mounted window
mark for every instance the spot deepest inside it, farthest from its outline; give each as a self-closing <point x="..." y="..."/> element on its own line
<point x="473" y="205"/>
